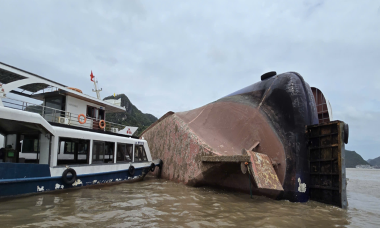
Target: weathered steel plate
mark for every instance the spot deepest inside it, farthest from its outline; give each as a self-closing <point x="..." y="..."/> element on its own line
<point x="327" y="163"/>
<point x="232" y="158"/>
<point x="262" y="172"/>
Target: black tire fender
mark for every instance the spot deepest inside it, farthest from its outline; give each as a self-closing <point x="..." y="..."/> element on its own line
<point x="160" y="163"/>
<point x="131" y="170"/>
<point x="152" y="167"/>
<point x="65" y="178"/>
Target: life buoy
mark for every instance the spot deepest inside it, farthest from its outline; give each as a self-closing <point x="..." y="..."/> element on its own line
<point x="84" y="118"/>
<point x="131" y="170"/>
<point x="102" y="124"/>
<point x="75" y="89"/>
<point x="152" y="167"/>
<point x="69" y="180"/>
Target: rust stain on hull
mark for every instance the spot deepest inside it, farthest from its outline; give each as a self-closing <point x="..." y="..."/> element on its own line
<point x="262" y="172"/>
<point x="269" y="117"/>
<point x="181" y="146"/>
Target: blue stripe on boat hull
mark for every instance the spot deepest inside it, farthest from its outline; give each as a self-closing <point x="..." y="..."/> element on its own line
<point x="13" y="187"/>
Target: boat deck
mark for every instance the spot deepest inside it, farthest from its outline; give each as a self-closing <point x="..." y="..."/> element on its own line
<point x="62" y="118"/>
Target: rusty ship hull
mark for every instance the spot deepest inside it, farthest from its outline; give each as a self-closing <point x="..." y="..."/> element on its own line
<point x="213" y="144"/>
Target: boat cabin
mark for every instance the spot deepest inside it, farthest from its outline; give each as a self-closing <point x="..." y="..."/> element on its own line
<point x="45" y="122"/>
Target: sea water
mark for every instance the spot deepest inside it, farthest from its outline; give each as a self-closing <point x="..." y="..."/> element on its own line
<point x="161" y="203"/>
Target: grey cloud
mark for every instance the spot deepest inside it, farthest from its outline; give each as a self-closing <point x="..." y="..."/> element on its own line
<point x="179" y="55"/>
<point x="109" y="60"/>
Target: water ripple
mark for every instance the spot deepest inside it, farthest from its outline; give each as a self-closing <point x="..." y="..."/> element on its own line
<point x="160" y="203"/>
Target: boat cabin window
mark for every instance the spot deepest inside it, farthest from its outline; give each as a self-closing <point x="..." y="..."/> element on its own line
<point x="95" y="115"/>
<point x="109" y="152"/>
<point x="102" y="152"/>
<point x="30" y="148"/>
<point x="124" y="152"/>
<point x="92" y="112"/>
<point x="101" y="114"/>
<point x="73" y="151"/>
<point x="97" y="152"/>
<point x="53" y="106"/>
<point x="30" y="144"/>
<point x="140" y="154"/>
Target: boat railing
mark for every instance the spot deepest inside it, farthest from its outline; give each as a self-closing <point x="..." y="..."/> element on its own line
<point x="63" y="117"/>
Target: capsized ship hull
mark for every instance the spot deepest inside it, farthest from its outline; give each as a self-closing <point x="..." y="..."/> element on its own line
<point x="268" y="117"/>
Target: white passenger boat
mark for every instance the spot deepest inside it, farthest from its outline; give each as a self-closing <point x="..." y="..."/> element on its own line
<point x="65" y="142"/>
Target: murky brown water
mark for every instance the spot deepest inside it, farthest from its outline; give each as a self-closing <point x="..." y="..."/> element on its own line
<point x="160" y="203"/>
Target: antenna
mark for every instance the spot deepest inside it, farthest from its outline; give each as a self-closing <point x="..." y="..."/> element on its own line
<point x="96" y="89"/>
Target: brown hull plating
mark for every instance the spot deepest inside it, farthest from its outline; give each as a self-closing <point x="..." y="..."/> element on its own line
<point x="181" y="150"/>
<point x="273" y="113"/>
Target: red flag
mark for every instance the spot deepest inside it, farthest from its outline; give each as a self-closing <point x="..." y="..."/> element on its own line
<point x="92" y="76"/>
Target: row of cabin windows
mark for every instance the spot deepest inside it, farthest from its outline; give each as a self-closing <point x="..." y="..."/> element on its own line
<point x="76" y="151"/>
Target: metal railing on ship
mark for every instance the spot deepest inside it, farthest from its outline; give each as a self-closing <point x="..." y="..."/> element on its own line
<point x="60" y="116"/>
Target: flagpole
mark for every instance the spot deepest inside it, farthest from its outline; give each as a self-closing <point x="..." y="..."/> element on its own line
<point x="96" y="88"/>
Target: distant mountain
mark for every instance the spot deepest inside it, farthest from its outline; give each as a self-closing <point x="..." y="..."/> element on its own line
<point x="353" y="159"/>
<point x="132" y="116"/>
<point x="374" y="162"/>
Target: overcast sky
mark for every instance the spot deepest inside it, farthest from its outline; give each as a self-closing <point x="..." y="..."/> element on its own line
<point x="180" y="55"/>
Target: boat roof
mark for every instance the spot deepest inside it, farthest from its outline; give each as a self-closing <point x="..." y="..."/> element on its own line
<point x="9" y="74"/>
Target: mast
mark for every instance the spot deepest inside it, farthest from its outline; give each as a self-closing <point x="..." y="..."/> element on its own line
<point x="96" y="88"/>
